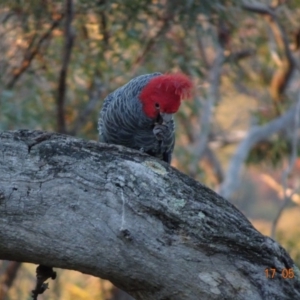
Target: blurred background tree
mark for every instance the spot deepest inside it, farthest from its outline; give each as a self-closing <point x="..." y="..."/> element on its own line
<point x="239" y="135"/>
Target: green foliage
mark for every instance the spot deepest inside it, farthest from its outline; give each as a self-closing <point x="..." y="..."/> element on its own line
<point x="271" y="152"/>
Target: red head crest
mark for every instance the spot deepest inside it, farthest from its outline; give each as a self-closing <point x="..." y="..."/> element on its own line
<point x="166" y="92"/>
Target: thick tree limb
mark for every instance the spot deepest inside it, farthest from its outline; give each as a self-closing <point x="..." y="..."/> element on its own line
<point x="122" y="215"/>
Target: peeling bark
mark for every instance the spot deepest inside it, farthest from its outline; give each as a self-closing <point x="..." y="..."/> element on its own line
<point x="124" y="216"/>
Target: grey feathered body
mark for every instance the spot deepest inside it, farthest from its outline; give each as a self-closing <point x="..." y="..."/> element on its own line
<point x="122" y="121"/>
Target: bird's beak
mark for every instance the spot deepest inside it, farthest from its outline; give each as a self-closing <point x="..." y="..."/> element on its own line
<point x="166" y="117"/>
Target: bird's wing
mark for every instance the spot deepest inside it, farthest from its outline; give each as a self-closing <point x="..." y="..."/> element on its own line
<point x="105" y="106"/>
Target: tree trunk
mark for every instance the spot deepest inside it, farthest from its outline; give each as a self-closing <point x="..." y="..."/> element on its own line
<point x="7" y="279"/>
<point x="124" y="216"/>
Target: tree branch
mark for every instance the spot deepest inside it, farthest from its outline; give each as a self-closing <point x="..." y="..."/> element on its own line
<point x="122" y="215"/>
<point x="215" y="164"/>
<point x="166" y="19"/>
<point x="94" y="95"/>
<point x="222" y="139"/>
<point x="151" y="42"/>
<point x="289" y="169"/>
<point x="69" y="39"/>
<point x="8" y="278"/>
<point x="207" y="110"/>
<point x="103" y="22"/>
<point x="255" y="135"/>
<point x="284" y="72"/>
<point x="278" y="188"/>
<point x="31" y="53"/>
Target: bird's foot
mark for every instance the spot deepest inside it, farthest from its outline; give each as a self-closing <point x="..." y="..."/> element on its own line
<point x="160" y="131"/>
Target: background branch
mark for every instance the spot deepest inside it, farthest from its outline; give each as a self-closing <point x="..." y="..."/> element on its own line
<point x="61" y="92"/>
<point x="8" y="277"/>
<point x="289" y="169"/>
<point x="278" y="188"/>
<point x="255" y="135"/>
<point x="31" y="52"/>
<point x="166" y="20"/>
<point x="95" y="92"/>
<point x="282" y="75"/>
<point x="207" y="107"/>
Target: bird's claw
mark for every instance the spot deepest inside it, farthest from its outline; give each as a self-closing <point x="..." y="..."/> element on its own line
<point x="160" y="131"/>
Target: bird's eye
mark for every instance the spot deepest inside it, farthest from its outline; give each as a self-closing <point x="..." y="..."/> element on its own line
<point x="156" y="105"/>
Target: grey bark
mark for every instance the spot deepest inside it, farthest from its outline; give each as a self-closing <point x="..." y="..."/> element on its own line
<point x="122" y="215"/>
